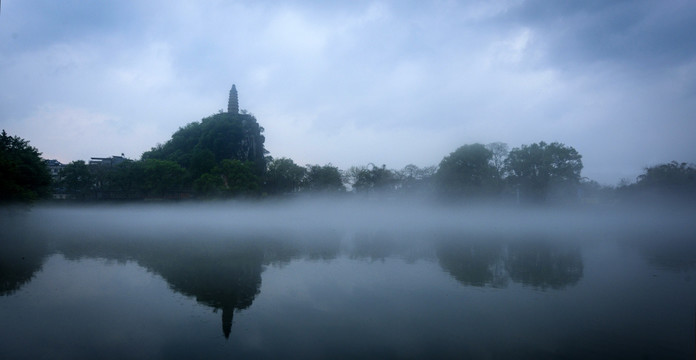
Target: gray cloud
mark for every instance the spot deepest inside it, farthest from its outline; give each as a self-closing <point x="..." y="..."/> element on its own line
<point x="644" y="33"/>
<point x="356" y="82"/>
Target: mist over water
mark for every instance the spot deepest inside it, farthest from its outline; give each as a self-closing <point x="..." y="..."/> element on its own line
<point x="368" y="278"/>
<point x="351" y="215"/>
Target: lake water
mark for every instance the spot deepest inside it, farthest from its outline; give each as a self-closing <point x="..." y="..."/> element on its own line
<point x="351" y="281"/>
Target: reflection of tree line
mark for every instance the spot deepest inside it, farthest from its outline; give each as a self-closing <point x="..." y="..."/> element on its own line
<point x="19" y="259"/>
<point x="18" y="264"/>
<point x="224" y="272"/>
<point x="473" y="264"/>
<point x="491" y="262"/>
<point x="475" y="261"/>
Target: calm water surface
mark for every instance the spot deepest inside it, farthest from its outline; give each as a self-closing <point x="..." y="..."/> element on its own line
<point x="156" y="283"/>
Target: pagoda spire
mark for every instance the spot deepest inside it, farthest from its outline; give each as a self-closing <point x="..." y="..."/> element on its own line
<point x="233" y="102"/>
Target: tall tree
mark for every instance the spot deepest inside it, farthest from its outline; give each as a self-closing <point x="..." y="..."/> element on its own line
<point x="283" y="176"/>
<point x="373" y="178"/>
<point x="162" y="178"/>
<point x="128" y="179"/>
<point x="538" y="168"/>
<point x="23" y="175"/>
<point x="229" y="178"/>
<point x="325" y="178"/>
<point x="77" y="180"/>
<point x="413" y="179"/>
<point x="670" y="181"/>
<point x="499" y="152"/>
<point x="238" y="178"/>
<point x="468" y="172"/>
<point x="672" y="176"/>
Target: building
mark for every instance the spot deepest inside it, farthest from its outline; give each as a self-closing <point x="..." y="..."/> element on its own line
<point x="233" y="101"/>
<point x="54" y="168"/>
<point x="109" y="161"/>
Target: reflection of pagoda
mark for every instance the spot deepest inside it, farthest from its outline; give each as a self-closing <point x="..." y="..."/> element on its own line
<point x="227" y="315"/>
<point x="223" y="274"/>
<point x="226" y="281"/>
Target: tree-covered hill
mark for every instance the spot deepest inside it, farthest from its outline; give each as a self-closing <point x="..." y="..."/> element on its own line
<point x="200" y="146"/>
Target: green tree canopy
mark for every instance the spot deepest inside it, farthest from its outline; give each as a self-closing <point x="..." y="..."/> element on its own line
<point x="413" y="179"/>
<point x="229" y="178"/>
<point x="199" y="146"/>
<point x="283" y="176"/>
<point x="373" y="178"/>
<point x="239" y="178"/>
<point x="671" y="176"/>
<point x="24" y="176"/>
<point x="499" y="152"/>
<point x="162" y="178"/>
<point x="670" y="181"/>
<point x="325" y="178"/>
<point x="468" y="172"/>
<point x="77" y="180"/>
<point x="128" y="179"/>
<point x="538" y="168"/>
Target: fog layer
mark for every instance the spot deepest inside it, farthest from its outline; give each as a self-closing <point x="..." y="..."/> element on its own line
<point x="351" y="215"/>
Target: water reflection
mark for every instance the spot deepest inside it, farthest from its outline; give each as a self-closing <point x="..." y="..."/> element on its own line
<point x="495" y="262"/>
<point x="18" y="263"/>
<point x="19" y="258"/>
<point x="225" y="278"/>
<point x="474" y="263"/>
<point x="223" y="273"/>
<point x="667" y="251"/>
<point x="544" y="264"/>
<point x="389" y="286"/>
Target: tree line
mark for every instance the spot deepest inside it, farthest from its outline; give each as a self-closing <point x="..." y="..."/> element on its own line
<point x="223" y="156"/>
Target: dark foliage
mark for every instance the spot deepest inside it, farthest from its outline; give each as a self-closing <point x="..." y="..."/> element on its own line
<point x="325" y="179"/>
<point x="468" y="172"/>
<point x="371" y="178"/>
<point x="199" y="145"/>
<point x="78" y="180"/>
<point x="25" y="176"/>
<point x="541" y="168"/>
<point x="283" y="176"/>
<point x="671" y="181"/>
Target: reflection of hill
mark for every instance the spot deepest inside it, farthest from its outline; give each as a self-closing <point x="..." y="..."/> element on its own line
<point x="19" y="258"/>
<point x="220" y="269"/>
<point x="226" y="278"/>
<point x="491" y="262"/>
<point x="223" y="273"/>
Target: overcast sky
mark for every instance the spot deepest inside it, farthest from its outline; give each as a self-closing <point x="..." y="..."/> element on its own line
<point x="357" y="82"/>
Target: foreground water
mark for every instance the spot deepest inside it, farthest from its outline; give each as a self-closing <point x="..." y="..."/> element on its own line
<point x="350" y="281"/>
